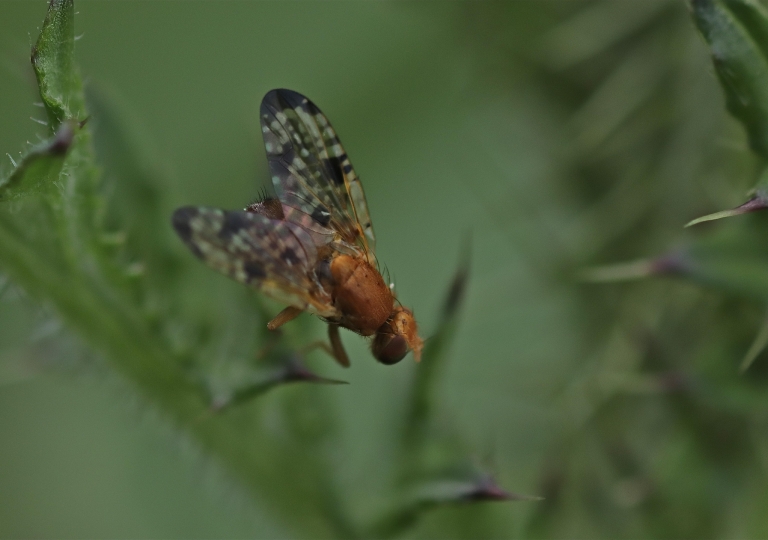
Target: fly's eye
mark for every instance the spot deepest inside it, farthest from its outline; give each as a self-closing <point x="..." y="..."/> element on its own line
<point x="389" y="349"/>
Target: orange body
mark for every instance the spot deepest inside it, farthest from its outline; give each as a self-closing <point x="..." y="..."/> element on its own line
<point x="363" y="301"/>
<point x="367" y="306"/>
<point x="360" y="294"/>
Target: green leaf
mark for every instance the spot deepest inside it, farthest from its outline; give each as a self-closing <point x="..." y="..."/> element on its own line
<point x="758" y="345"/>
<point x="53" y="61"/>
<point x="418" y="436"/>
<point x="291" y="370"/>
<point x="434" y="494"/>
<point x="733" y="259"/>
<point x="39" y="169"/>
<point x="421" y="398"/>
<point x="758" y="201"/>
<point x="737" y="34"/>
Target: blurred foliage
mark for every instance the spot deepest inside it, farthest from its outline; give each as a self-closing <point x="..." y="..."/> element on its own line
<point x="565" y="135"/>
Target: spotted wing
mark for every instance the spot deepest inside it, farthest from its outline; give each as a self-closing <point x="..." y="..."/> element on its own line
<point x="311" y="172"/>
<point x="277" y="257"/>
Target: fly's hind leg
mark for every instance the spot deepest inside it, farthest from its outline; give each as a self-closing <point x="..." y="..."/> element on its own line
<point x="335" y="350"/>
<point x="338" y="347"/>
<point x="287" y="315"/>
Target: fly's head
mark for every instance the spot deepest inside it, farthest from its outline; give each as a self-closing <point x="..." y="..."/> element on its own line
<point x="398" y="335"/>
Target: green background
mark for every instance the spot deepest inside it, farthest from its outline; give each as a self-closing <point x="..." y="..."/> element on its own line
<point x="559" y="135"/>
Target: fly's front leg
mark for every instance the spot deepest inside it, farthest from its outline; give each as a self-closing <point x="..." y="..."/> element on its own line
<point x="287" y="315"/>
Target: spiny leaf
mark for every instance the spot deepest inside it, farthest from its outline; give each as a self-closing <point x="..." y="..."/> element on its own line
<point x="483" y="488"/>
<point x="752" y="205"/>
<point x="736" y="31"/>
<point x="53" y="61"/>
<point x="758" y="201"/>
<point x="737" y="34"/>
<point x="292" y="371"/>
<point x="431" y="495"/>
<point x="39" y="169"/>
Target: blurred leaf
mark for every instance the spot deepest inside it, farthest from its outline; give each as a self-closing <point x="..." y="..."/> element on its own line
<point x="758" y="346"/>
<point x="584" y="35"/>
<point x="733" y="259"/>
<point x="730" y="259"/>
<point x="135" y="180"/>
<point x="620" y="95"/>
<point x="431" y="495"/>
<point x="132" y="181"/>
<point x="623" y="271"/>
<point x="291" y="371"/>
<point x="482" y="489"/>
<point x="421" y="398"/>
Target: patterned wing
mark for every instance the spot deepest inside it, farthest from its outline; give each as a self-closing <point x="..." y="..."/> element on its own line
<point x="311" y="172"/>
<point x="277" y="257"/>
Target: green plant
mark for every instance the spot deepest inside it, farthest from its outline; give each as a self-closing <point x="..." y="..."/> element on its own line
<point x="565" y="135"/>
<point x="736" y="32"/>
<point x="657" y="423"/>
<point x="101" y="254"/>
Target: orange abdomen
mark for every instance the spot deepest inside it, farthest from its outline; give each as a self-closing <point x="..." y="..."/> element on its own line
<point x="360" y="294"/>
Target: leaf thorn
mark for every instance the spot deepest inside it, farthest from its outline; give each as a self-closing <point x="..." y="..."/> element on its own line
<point x="754" y="204"/>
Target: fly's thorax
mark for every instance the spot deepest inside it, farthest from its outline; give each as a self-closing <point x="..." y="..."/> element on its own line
<point x="360" y="294"/>
<point x="396" y="337"/>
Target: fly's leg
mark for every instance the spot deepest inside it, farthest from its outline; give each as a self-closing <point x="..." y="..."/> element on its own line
<point x="287" y="315"/>
<point x="338" y="347"/>
<point x="334" y="350"/>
